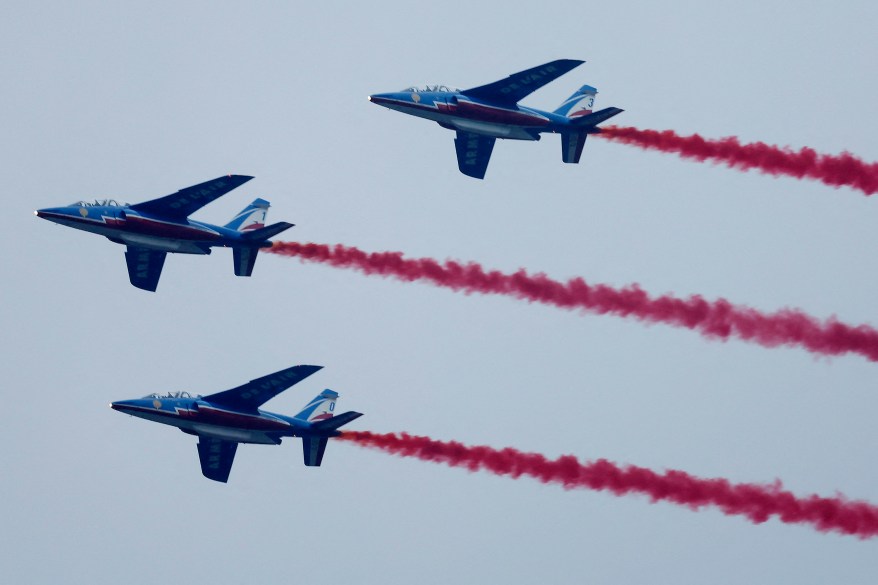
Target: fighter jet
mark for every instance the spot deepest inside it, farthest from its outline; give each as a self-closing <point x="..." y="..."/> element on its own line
<point x="222" y="420"/>
<point x="482" y="114"/>
<point x="153" y="228"/>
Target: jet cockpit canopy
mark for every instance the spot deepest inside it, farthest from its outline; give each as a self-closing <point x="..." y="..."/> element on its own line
<point x="430" y="88"/>
<point x="170" y="395"/>
<point x="100" y="203"/>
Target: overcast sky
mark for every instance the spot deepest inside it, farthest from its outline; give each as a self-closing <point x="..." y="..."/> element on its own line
<point x="136" y="100"/>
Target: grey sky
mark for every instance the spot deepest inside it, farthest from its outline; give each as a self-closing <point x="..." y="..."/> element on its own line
<point x="137" y="100"/>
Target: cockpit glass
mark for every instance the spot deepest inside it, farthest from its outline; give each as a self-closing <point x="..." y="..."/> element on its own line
<point x="169" y="395"/>
<point x="430" y="88"/>
<point x="100" y="203"/>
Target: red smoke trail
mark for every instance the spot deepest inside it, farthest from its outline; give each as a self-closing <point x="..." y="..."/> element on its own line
<point x="717" y="319"/>
<point x="844" y="169"/>
<point x="756" y="502"/>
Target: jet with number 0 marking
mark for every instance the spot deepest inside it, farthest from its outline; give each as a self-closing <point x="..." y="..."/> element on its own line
<point x="153" y="228"/>
<point x="222" y="420"/>
<point x="482" y="114"/>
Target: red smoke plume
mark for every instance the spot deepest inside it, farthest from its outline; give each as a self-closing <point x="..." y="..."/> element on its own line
<point x="756" y="502"/>
<point x="844" y="169"/>
<point x="717" y="319"/>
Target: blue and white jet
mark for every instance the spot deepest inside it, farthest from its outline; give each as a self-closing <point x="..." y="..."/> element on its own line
<point x="482" y="114"/>
<point x="222" y="420"/>
<point x="153" y="228"/>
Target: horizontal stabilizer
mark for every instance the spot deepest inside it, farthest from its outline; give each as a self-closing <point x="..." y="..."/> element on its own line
<point x="263" y="234"/>
<point x="144" y="267"/>
<point x="339" y="420"/>
<point x="313" y="449"/>
<point x="597" y="117"/>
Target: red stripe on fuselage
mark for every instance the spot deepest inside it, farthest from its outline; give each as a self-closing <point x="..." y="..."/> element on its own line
<point x="210" y="415"/>
<point x="483" y="113"/>
<point x="144" y="225"/>
<point x="473" y="111"/>
<point x="214" y="416"/>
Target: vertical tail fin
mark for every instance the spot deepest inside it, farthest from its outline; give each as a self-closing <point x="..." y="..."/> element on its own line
<point x="579" y="104"/>
<point x="572" y="142"/>
<point x="313" y="449"/>
<point x="319" y="412"/>
<point x="320" y="408"/>
<point x="251" y="217"/>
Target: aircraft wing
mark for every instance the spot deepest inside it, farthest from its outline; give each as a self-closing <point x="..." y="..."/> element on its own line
<point x="520" y="85"/>
<point x="216" y="457"/>
<point x="255" y="393"/>
<point x="473" y="153"/>
<point x="144" y="267"/>
<point x="185" y="202"/>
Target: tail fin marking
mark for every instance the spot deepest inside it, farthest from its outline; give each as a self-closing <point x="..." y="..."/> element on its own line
<point x="578" y="104"/>
<point x="320" y="408"/>
<point x="251" y="217"/>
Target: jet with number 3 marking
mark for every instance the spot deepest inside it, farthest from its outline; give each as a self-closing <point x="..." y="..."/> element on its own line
<point x="153" y="228"/>
<point x="222" y="420"/>
<point x="482" y="114"/>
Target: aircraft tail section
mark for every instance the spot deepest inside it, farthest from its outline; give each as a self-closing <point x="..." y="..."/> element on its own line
<point x="320" y="407"/>
<point x="313" y="449"/>
<point x="578" y="104"/>
<point x="244" y="258"/>
<point x="244" y="255"/>
<point x="578" y="108"/>
<point x="593" y="119"/>
<point x="263" y="233"/>
<point x="251" y="217"/>
<point x="314" y="446"/>
<point x="573" y="135"/>
<point x="572" y="143"/>
<point x="334" y="423"/>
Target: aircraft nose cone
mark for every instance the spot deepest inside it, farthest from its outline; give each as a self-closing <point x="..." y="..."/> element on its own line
<point x="123" y="405"/>
<point x="380" y="98"/>
<point x="51" y="213"/>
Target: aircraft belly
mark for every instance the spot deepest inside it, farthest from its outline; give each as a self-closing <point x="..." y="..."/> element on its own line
<point x="95" y="227"/>
<point x="489" y="129"/>
<point x="162" y="244"/>
<point x="158" y="416"/>
<point x="420" y="111"/>
<point x="230" y="434"/>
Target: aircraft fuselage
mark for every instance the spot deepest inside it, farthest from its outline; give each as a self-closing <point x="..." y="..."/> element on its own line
<point x="126" y="226"/>
<point x="199" y="417"/>
<point x="458" y="112"/>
